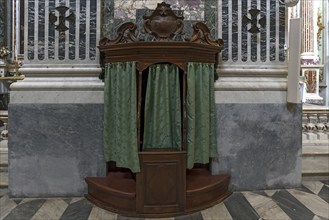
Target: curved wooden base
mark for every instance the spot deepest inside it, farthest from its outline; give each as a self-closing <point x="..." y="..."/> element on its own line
<point x="117" y="194"/>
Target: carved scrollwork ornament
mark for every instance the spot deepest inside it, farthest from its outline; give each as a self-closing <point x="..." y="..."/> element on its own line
<point x="201" y="34"/>
<point x="126" y="33"/>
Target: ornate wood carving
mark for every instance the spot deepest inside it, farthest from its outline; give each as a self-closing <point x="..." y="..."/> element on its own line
<point x="163" y="23"/>
<point x="201" y="34"/>
<point x="126" y="34"/>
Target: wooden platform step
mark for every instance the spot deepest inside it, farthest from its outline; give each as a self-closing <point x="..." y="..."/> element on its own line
<point x="117" y="192"/>
<point x="203" y="191"/>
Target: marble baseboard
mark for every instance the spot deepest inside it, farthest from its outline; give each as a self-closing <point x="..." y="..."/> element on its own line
<point x="245" y="97"/>
<point x="53" y="147"/>
<point x="59" y="97"/>
<point x="259" y="145"/>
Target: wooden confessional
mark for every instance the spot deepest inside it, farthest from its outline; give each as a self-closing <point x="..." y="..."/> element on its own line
<point x="164" y="186"/>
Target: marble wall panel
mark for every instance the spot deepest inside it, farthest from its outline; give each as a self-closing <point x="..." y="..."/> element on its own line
<point x="53" y="147"/>
<point x="226" y="17"/>
<point x="259" y="145"/>
<point x="117" y="12"/>
<point x="30" y="30"/>
<point x="3" y="22"/>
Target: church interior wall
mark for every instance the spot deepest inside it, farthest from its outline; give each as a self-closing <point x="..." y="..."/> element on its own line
<point x="56" y="136"/>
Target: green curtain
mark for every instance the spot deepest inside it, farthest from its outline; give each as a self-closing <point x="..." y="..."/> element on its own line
<point x="201" y="114"/>
<point x="162" y="124"/>
<point x="120" y="115"/>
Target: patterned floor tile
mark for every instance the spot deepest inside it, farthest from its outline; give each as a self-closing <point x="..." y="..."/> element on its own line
<point x="3" y="191"/>
<point x="262" y="193"/>
<point x="17" y="201"/>
<point x="325" y="181"/>
<point x="127" y="218"/>
<point x="26" y="210"/>
<point x="265" y="207"/>
<point x="6" y="206"/>
<point x="76" y="199"/>
<point x="217" y="212"/>
<point x="77" y="210"/>
<point x="240" y="208"/>
<point x="314" y="203"/>
<point x="22" y="201"/>
<point x="194" y="216"/>
<point x="67" y="200"/>
<point x="51" y="209"/>
<point x="305" y="189"/>
<point x="98" y="213"/>
<point x="307" y="202"/>
<point x="324" y="193"/>
<point x="319" y="218"/>
<point x="314" y="186"/>
<point x="270" y="193"/>
<point x="291" y="206"/>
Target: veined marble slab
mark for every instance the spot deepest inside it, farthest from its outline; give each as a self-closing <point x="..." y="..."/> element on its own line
<point x="259" y="145"/>
<point x="53" y="147"/>
<point x="251" y="97"/>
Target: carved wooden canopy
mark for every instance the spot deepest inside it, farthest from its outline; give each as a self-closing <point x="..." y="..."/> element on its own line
<point x="164" y="25"/>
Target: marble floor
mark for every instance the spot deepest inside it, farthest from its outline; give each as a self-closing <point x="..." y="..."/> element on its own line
<point x="311" y="201"/>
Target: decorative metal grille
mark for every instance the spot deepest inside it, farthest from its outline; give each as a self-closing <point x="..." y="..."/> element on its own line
<point x="59" y="30"/>
<point x="254" y="31"/>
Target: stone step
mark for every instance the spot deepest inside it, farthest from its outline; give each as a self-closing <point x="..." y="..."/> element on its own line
<point x="3" y="163"/>
<point x="3" y="158"/>
<point x="315" y="149"/>
<point x="315" y="161"/>
<point x="316" y="138"/>
<point x="3" y="179"/>
<point x="3" y="154"/>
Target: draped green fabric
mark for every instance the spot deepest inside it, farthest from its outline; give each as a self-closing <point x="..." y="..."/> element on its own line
<point x="162" y="116"/>
<point x="201" y="114"/>
<point x="120" y="115"/>
<point x="162" y="124"/>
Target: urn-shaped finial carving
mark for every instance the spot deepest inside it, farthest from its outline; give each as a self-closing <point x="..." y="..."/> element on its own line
<point x="163" y="23"/>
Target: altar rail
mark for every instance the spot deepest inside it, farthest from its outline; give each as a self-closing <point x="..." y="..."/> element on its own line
<point x="316" y="125"/>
